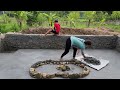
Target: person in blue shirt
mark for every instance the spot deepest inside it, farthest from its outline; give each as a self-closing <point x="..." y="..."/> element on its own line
<point x="76" y="43"/>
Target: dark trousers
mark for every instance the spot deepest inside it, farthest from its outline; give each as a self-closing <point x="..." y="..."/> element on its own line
<point x="67" y="48"/>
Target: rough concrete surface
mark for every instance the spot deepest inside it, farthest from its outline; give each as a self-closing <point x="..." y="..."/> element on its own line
<point x="16" y="65"/>
<point x="118" y="44"/>
<point x="1" y="43"/>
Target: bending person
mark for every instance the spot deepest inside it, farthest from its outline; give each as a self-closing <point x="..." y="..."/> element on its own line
<point x="76" y="44"/>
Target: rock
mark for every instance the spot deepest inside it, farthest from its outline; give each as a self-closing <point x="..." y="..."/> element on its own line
<point x="77" y="62"/>
<point x="47" y="62"/>
<point x="50" y="76"/>
<point x="58" y="74"/>
<point x="65" y="75"/>
<point x="85" y="72"/>
<point x="92" y="60"/>
<point x="82" y="65"/>
<point x="44" y="75"/>
<point x="40" y="75"/>
<point x="61" y="63"/>
<point x="37" y="75"/>
<point x="63" y="67"/>
<point x="58" y="63"/>
<point x="32" y="69"/>
<point x="85" y="68"/>
<point x="33" y="66"/>
<point x="74" y="76"/>
<point x="66" y="62"/>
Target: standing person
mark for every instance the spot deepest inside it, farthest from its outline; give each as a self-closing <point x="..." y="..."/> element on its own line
<point x="76" y="44"/>
<point x="56" y="29"/>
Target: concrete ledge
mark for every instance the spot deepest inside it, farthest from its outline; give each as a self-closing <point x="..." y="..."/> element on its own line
<point x="39" y="41"/>
<point x="118" y="44"/>
<point x="1" y="43"/>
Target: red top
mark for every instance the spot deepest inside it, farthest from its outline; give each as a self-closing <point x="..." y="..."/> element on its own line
<point x="57" y="27"/>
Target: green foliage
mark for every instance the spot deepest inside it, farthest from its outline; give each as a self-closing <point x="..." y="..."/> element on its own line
<point x="4" y="18"/>
<point x="115" y="15"/>
<point x="41" y="18"/>
<point x="9" y="27"/>
<point x="89" y="15"/>
<point x="31" y="19"/>
<point x="72" y="16"/>
<point x="100" y="16"/>
<point x="21" y="15"/>
<point x="14" y="21"/>
<point x="50" y="17"/>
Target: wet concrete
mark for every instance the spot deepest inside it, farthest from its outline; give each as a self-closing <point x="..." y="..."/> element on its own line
<point x="15" y="65"/>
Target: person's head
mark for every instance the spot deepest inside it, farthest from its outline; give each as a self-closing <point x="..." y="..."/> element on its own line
<point x="55" y="21"/>
<point x="87" y="42"/>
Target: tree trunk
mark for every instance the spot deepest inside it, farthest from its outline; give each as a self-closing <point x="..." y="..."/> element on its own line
<point x="51" y="23"/>
<point x="66" y="23"/>
<point x="70" y="24"/>
<point x="20" y="23"/>
<point x="89" y="23"/>
<point x="40" y="23"/>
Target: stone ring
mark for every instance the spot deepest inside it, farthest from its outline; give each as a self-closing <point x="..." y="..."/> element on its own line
<point x="38" y="75"/>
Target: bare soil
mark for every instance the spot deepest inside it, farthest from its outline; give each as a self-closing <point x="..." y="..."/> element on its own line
<point x="73" y="31"/>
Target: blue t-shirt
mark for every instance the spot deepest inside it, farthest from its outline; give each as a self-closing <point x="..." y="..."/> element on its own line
<point x="77" y="42"/>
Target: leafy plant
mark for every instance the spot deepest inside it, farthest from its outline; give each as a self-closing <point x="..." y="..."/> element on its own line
<point x="72" y="16"/>
<point x="21" y="17"/>
<point x="50" y="17"/>
<point x="41" y="18"/>
<point x="89" y="15"/>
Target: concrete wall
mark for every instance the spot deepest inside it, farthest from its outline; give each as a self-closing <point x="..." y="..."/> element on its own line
<point x="36" y="41"/>
<point x="118" y="44"/>
<point x="1" y="43"/>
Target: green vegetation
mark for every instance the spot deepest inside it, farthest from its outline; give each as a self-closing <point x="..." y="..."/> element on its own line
<point x="15" y="21"/>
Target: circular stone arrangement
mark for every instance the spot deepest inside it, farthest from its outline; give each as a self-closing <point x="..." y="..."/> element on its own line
<point x="39" y="75"/>
<point x="63" y="67"/>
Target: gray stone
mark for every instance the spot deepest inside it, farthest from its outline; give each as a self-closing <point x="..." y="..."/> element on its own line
<point x="92" y="60"/>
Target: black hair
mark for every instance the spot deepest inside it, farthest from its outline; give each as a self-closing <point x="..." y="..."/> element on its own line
<point x="56" y="21"/>
<point x="88" y="42"/>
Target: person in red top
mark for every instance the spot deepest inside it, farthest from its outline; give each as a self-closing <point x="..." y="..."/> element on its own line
<point x="56" y="29"/>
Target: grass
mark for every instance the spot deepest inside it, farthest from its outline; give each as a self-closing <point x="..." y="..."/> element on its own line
<point x="114" y="27"/>
<point x="81" y="23"/>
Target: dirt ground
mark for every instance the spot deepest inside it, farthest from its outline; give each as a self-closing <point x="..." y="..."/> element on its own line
<point x="73" y="31"/>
